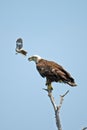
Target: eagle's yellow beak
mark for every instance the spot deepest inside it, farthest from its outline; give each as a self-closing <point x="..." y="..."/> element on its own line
<point x="34" y="58"/>
<point x="30" y="59"/>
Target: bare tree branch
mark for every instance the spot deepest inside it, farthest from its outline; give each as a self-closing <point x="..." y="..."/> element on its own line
<point x="56" y="108"/>
<point x="58" y="122"/>
<point x="52" y="100"/>
<point x="61" y="99"/>
<point x="84" y="128"/>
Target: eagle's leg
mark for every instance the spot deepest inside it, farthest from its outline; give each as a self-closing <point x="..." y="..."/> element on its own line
<point x="49" y="85"/>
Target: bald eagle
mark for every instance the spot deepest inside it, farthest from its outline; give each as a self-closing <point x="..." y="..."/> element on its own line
<point x="52" y="71"/>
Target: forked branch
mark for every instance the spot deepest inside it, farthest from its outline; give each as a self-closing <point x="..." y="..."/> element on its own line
<point x="57" y="108"/>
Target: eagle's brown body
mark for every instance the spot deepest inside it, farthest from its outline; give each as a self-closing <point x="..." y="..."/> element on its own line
<point x="54" y="72"/>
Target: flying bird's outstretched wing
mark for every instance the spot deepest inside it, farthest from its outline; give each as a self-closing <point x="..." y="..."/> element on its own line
<point x="19" y="46"/>
<point x="19" y="43"/>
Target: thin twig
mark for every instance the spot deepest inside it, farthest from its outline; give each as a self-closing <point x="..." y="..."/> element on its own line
<point x="84" y="128"/>
<point x="61" y="99"/>
<point x="65" y="94"/>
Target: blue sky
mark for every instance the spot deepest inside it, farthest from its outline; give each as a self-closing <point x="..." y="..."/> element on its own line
<point x="55" y="30"/>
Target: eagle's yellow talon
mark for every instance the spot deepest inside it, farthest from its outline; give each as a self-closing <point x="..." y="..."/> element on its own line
<point x="49" y="87"/>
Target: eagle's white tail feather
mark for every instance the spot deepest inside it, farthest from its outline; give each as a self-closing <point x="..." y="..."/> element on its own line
<point x="72" y="84"/>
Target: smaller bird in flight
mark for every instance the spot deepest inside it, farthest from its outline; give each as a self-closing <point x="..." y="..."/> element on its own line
<point x="19" y="46"/>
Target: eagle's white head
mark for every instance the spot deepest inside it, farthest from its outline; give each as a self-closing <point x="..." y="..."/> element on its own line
<point x="35" y="58"/>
